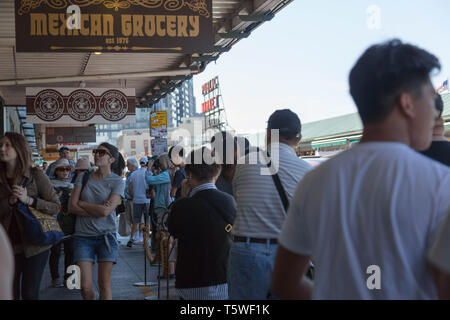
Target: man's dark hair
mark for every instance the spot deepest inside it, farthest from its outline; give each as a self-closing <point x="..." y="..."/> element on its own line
<point x="383" y="72"/>
<point x="229" y="144"/>
<point x="180" y="153"/>
<point x="202" y="171"/>
<point x="439" y="103"/>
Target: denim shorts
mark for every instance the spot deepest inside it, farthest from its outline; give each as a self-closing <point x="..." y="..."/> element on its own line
<point x="86" y="248"/>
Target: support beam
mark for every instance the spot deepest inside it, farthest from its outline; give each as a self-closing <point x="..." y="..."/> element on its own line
<point x="260" y="17"/>
<point x="203" y="59"/>
<point x="234" y="35"/>
<point x="113" y="76"/>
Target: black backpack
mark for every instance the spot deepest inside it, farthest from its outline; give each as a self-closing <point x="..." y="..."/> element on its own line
<point x="68" y="220"/>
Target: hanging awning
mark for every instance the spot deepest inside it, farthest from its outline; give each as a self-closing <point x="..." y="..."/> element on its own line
<point x="322" y="143"/>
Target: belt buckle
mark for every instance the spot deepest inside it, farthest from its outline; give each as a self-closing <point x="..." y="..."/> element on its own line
<point x="228" y="228"/>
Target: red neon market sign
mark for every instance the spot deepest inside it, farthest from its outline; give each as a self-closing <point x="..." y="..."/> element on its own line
<point x="211" y="95"/>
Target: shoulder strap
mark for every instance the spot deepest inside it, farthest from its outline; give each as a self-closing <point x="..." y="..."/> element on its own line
<point x="85" y="179"/>
<point x="228" y="226"/>
<point x="27" y="180"/>
<point x="279" y="186"/>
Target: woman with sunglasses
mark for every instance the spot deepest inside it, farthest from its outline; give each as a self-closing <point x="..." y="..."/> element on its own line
<point x="15" y="166"/>
<point x="63" y="187"/>
<point x="95" y="229"/>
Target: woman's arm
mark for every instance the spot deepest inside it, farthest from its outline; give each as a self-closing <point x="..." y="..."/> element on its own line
<point x="161" y="178"/>
<point x="74" y="208"/>
<point x="47" y="199"/>
<point x="130" y="190"/>
<point x="101" y="210"/>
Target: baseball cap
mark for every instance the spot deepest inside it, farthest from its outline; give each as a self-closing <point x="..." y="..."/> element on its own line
<point x="143" y="160"/>
<point x="63" y="148"/>
<point x="286" y="121"/>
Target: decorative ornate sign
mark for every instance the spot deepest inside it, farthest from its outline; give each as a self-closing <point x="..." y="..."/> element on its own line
<point x="74" y="105"/>
<point x="49" y="105"/>
<point x="81" y="105"/>
<point x="114" y="25"/>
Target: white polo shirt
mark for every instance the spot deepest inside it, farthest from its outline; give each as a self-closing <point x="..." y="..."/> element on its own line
<point x="377" y="204"/>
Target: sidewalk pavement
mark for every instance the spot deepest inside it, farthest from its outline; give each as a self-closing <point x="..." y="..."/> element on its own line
<point x="128" y="271"/>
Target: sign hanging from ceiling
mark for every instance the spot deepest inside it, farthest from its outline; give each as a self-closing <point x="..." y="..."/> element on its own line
<point x="70" y="135"/>
<point x="75" y="105"/>
<point x="183" y="26"/>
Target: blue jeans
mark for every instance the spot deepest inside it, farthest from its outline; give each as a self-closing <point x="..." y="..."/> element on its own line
<point x="249" y="273"/>
<point x="28" y="275"/>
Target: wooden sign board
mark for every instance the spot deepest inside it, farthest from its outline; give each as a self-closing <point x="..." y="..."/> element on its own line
<point x="75" y="105"/>
<point x="183" y="26"/>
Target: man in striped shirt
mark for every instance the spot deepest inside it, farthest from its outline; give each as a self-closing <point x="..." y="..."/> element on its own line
<point x="260" y="211"/>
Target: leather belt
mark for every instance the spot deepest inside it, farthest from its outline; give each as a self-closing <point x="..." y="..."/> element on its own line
<point x="255" y="240"/>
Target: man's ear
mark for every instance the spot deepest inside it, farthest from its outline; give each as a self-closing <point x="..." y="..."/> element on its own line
<point x="405" y="104"/>
<point x="112" y="160"/>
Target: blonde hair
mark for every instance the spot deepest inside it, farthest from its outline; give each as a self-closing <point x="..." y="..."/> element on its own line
<point x="164" y="161"/>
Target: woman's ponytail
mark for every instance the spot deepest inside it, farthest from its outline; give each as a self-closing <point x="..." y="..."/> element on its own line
<point x="118" y="165"/>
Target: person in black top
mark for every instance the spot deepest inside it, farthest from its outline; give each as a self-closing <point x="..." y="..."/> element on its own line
<point x="176" y="155"/>
<point x="439" y="149"/>
<point x="227" y="149"/>
<point x="201" y="222"/>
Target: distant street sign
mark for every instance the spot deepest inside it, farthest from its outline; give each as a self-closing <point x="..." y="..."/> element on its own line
<point x="158" y="124"/>
<point x="159" y="146"/>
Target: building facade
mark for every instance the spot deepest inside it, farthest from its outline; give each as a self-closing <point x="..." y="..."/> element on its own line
<point x="134" y="143"/>
<point x="179" y="104"/>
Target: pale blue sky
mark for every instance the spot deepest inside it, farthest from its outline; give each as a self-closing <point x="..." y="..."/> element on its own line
<point x="301" y="59"/>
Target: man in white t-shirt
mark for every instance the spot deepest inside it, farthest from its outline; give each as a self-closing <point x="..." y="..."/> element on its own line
<point x="439" y="257"/>
<point x="368" y="216"/>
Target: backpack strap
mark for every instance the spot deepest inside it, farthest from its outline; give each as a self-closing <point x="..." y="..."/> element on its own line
<point x="218" y="213"/>
<point x="85" y="179"/>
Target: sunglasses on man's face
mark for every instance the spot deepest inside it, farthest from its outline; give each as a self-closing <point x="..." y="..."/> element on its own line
<point x="63" y="169"/>
<point x="100" y="152"/>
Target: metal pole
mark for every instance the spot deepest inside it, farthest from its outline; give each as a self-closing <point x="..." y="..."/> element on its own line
<point x="159" y="272"/>
<point x="145" y="283"/>
<point x="145" y="258"/>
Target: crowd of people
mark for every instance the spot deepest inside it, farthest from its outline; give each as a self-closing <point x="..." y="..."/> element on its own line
<point x="256" y="224"/>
